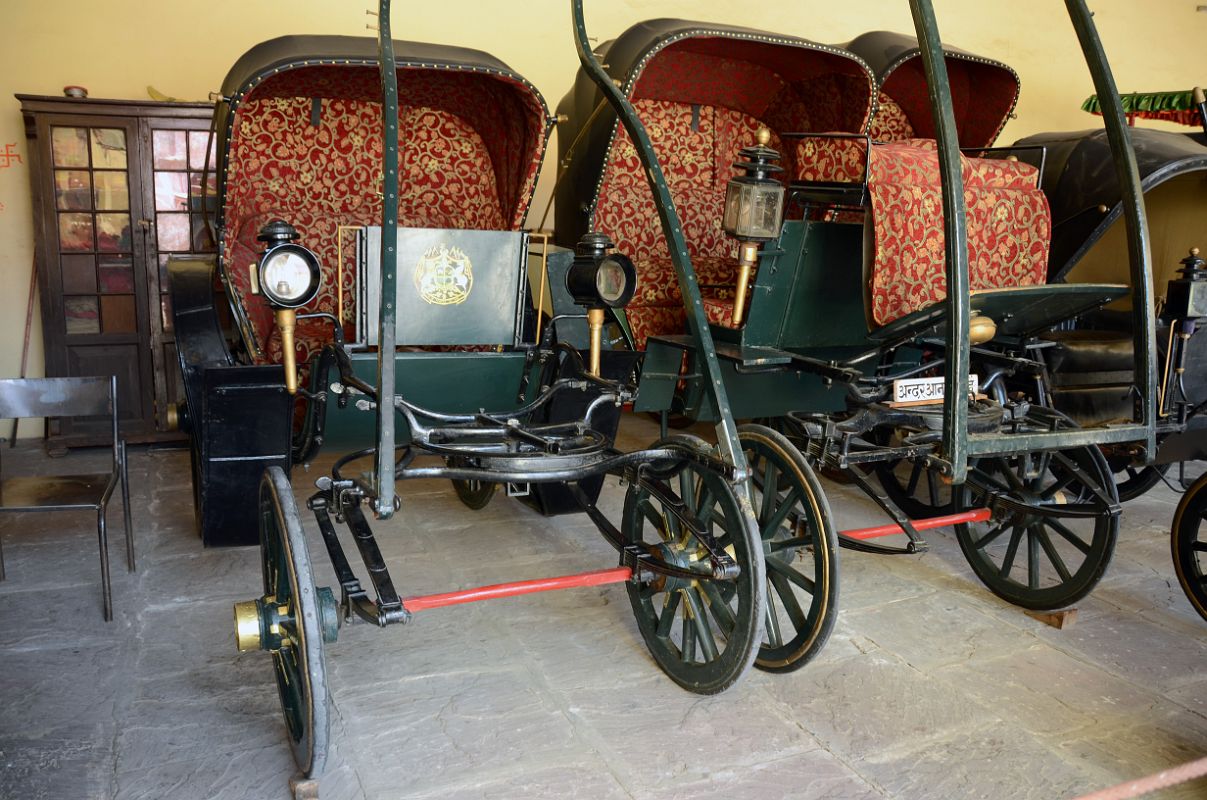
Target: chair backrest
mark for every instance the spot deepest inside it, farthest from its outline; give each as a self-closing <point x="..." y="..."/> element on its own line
<point x="58" y="397"/>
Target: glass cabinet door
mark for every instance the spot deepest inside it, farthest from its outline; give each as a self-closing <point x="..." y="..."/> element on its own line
<point x="181" y="199"/>
<point x="101" y="308"/>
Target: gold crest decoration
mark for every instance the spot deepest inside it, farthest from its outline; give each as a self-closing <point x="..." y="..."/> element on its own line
<point x="444" y="276"/>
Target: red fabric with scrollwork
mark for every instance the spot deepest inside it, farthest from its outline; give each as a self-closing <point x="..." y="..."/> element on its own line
<point x="468" y="156"/>
<point x="697" y="146"/>
<point x="890" y="124"/>
<point x="1009" y="228"/>
<point x="1009" y="222"/>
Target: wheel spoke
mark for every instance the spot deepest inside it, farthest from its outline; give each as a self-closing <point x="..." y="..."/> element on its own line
<point x="932" y="484"/>
<point x="1053" y="556"/>
<point x="1032" y="558"/>
<point x="789" y="502"/>
<point x="689" y="634"/>
<point x="699" y="619"/>
<point x="773" y="621"/>
<point x="788" y="598"/>
<point x="1016" y="536"/>
<point x="769" y="491"/>
<point x="655" y="519"/>
<point x="1070" y="536"/>
<point x="781" y="567"/>
<point x="717" y="606"/>
<point x="915" y="473"/>
<point x="1199" y="547"/>
<point x="993" y="533"/>
<point x="667" y="619"/>
<point x="1059" y="485"/>
<point x="780" y="545"/>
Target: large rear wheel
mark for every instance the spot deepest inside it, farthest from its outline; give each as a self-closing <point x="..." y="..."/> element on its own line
<point x="702" y="631"/>
<point x="1054" y="525"/>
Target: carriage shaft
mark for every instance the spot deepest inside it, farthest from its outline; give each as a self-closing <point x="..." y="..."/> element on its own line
<point x="892" y="528"/>
<point x="499" y="590"/>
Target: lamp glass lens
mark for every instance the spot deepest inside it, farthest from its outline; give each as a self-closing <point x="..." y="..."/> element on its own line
<point x="286" y="275"/>
<point x="610" y="281"/>
<point x="753" y="210"/>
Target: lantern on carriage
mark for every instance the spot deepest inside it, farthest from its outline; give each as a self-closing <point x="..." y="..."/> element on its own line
<point x="754" y="209"/>
<point x="598" y="280"/>
<point x="288" y="276"/>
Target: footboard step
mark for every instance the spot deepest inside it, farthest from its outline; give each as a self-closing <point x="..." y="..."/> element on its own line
<point x="1057" y="619"/>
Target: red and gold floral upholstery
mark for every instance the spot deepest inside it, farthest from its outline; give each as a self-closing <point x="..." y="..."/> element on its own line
<point x="306" y="147"/>
<point x="696" y="146"/>
<point x="890" y="124"/>
<point x="702" y="100"/>
<point x="1009" y="222"/>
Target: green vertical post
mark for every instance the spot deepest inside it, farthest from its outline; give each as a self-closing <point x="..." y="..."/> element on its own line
<point x="1138" y="252"/>
<point x="384" y="466"/>
<point x="697" y="322"/>
<point x="955" y="229"/>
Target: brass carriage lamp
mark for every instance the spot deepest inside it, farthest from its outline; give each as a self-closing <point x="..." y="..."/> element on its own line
<point x="288" y="276"/>
<point x="754" y="210"/>
<point x="597" y="280"/>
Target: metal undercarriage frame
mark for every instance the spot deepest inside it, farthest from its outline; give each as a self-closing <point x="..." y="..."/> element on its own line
<point x="505" y="447"/>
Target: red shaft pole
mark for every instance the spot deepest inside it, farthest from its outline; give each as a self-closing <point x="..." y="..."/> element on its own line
<point x="597" y="578"/>
<point x="974" y="515"/>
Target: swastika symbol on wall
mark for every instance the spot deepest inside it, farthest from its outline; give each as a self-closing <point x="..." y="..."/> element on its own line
<point x="9" y="156"/>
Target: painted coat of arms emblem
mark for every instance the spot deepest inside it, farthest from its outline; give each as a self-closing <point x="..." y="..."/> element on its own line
<point x="444" y="275"/>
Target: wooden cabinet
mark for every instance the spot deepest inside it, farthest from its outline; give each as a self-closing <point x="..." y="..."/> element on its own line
<point x="117" y="187"/>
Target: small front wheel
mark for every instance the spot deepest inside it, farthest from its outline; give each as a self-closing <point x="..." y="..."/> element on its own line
<point x="295" y="609"/>
<point x="702" y="631"/>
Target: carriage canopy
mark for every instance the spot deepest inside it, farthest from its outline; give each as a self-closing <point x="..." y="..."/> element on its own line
<point x="721" y="82"/>
<point x="983" y="92"/>
<point x="300" y="139"/>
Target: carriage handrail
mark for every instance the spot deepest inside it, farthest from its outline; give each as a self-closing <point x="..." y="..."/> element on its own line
<point x="672" y="229"/>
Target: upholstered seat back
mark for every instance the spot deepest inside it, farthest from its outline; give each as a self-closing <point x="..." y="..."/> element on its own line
<point x="1009" y="222"/>
<point x="306" y="147"/>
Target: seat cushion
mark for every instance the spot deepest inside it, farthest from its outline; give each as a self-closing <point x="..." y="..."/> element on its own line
<point x="53" y="491"/>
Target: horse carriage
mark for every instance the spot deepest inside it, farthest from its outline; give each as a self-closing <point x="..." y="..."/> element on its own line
<point x="390" y="303"/>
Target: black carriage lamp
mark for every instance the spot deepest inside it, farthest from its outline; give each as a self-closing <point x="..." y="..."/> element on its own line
<point x="1186" y="296"/>
<point x="754" y="209"/>
<point x="288" y="276"/>
<point x="597" y="280"/>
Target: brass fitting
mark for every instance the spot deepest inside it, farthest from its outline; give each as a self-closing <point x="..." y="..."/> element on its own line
<point x="981" y="329"/>
<point x="748" y="258"/>
<point x="595" y="321"/>
<point x="248" y="627"/>
<point x="172" y="417"/>
<point x="287" y="322"/>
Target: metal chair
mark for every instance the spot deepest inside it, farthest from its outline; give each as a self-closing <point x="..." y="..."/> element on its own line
<point x="69" y="397"/>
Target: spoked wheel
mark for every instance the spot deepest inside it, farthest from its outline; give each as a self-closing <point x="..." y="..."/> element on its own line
<point x="475" y="494"/>
<point x="1053" y="531"/>
<point x="918" y="491"/>
<point x="800" y="548"/>
<point x="1133" y="480"/>
<point x="301" y="614"/>
<point x="703" y="632"/>
<point x="1188" y="541"/>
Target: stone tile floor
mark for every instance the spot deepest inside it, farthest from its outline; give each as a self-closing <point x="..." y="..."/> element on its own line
<point x="929" y="688"/>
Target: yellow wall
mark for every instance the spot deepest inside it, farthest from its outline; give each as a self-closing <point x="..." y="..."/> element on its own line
<point x="184" y="49"/>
